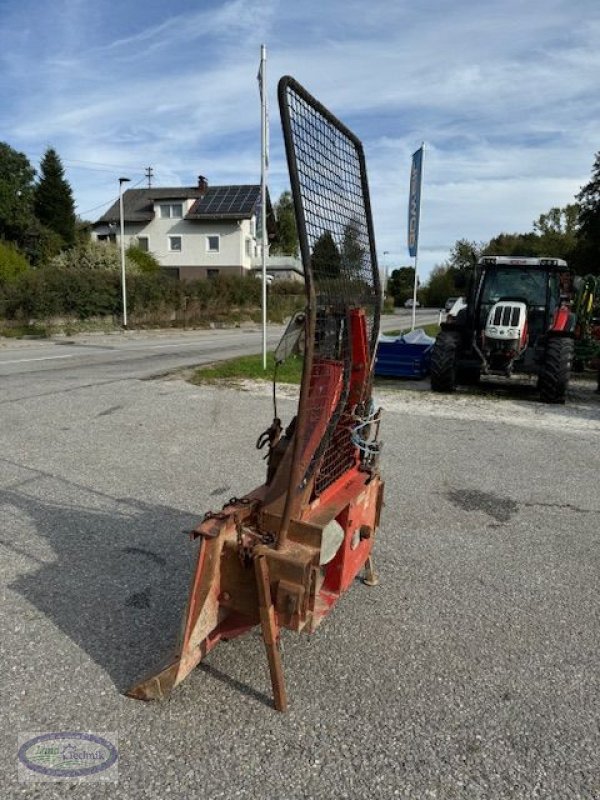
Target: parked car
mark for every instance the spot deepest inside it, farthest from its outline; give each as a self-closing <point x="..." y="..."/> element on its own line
<point x="409" y="303"/>
<point x="449" y="303"/>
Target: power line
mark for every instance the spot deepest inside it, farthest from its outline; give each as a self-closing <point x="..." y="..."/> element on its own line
<point x="98" y="166"/>
<point x="111" y="201"/>
<point x="101" y="205"/>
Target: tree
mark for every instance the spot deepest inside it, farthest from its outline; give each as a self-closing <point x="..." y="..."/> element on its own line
<point x="557" y="231"/>
<point x="326" y="259"/>
<point x="514" y="244"/>
<point x="353" y="252"/>
<point x="464" y="254"/>
<point x="554" y="234"/>
<point x="440" y="286"/>
<point x="285" y="242"/>
<point x="53" y="198"/>
<point x="587" y="252"/>
<point x="40" y="244"/>
<point x="401" y="284"/>
<point x="16" y="194"/>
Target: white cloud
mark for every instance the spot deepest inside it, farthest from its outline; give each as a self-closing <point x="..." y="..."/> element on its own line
<point x="503" y="93"/>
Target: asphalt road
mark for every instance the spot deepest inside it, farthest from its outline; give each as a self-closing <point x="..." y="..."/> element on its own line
<point x="42" y="366"/>
<point x="471" y="671"/>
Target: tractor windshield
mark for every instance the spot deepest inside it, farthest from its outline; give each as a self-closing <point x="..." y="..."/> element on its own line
<point x="536" y="287"/>
<point x="529" y="285"/>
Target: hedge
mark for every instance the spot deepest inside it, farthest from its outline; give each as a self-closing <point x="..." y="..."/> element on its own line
<point x="82" y="293"/>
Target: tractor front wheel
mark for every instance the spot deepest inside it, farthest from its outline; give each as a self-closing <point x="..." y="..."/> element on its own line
<point x="556" y="370"/>
<point x="443" y="362"/>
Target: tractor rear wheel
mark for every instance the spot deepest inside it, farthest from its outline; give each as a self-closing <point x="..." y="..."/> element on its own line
<point x="443" y="362"/>
<point x="556" y="370"/>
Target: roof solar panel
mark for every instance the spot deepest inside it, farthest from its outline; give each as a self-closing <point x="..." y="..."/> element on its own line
<point x="227" y="200"/>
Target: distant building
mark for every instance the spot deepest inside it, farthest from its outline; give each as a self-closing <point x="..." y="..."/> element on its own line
<point x="194" y="232"/>
<point x="281" y="268"/>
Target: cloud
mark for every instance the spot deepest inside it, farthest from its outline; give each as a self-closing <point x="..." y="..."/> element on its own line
<point x="503" y="93"/>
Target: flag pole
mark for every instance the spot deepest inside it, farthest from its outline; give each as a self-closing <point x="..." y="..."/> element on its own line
<point x="414" y="305"/>
<point x="263" y="194"/>
<point x="414" y="218"/>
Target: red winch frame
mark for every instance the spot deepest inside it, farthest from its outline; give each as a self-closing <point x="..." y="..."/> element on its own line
<point x="283" y="554"/>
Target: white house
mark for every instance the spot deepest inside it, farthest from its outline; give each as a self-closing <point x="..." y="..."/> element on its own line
<point x="195" y="232"/>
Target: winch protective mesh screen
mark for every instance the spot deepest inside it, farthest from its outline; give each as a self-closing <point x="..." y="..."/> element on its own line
<point x="335" y="232"/>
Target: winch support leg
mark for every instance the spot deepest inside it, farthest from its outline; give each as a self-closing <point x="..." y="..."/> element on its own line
<point x="270" y="632"/>
<point x="370" y="577"/>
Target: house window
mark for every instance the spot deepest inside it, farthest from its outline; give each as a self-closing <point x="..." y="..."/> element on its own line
<point x="175" y="244"/>
<point x="143" y="243"/>
<point x="212" y="244"/>
<point x="212" y="273"/>
<point x="171" y="210"/>
<point x="249" y="248"/>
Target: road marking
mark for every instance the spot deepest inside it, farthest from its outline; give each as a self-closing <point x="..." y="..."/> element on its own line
<point x="42" y="358"/>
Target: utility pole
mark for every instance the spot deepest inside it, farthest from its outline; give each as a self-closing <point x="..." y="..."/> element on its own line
<point x="149" y="174"/>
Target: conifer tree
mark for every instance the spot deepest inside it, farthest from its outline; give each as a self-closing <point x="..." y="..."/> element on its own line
<point x="53" y="201"/>
<point x="325" y="260"/>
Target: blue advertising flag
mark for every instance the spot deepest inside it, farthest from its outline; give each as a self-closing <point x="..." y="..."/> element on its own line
<point x="414" y="201"/>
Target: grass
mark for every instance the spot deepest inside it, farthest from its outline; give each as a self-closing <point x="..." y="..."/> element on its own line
<point x="430" y="330"/>
<point x="234" y="370"/>
<point x="19" y="331"/>
<point x="249" y="368"/>
<point x="66" y="327"/>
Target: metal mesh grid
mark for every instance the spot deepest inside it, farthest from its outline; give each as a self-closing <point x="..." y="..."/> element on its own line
<point x="339" y="455"/>
<point x="330" y="190"/>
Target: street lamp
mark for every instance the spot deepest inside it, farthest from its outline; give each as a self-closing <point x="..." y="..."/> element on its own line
<point x="385" y="270"/>
<point x="123" y="285"/>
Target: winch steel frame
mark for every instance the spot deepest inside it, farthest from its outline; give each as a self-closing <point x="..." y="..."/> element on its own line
<point x="281" y="556"/>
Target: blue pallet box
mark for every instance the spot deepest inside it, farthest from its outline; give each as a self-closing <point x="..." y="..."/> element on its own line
<point x="407" y="356"/>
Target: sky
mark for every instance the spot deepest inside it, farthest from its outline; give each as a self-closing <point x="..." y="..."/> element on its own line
<point x="503" y="93"/>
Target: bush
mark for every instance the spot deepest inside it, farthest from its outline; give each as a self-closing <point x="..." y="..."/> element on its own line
<point x="146" y="262"/>
<point x="52" y="292"/>
<point x="150" y="292"/>
<point x="224" y="293"/>
<point x="64" y="290"/>
<point x="12" y="263"/>
<point x="95" y="256"/>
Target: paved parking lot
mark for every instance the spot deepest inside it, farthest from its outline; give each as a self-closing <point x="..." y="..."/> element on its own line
<point x="471" y="671"/>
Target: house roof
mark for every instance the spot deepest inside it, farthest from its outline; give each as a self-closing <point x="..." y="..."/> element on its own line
<point x="216" y="202"/>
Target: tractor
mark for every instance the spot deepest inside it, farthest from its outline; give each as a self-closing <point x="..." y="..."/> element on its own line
<point x="515" y="320"/>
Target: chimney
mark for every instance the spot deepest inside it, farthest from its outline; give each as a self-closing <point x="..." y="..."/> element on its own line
<point x="202" y="184"/>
